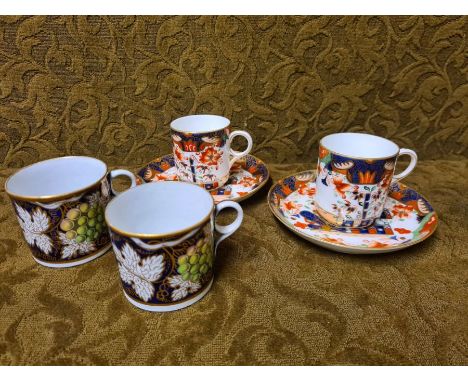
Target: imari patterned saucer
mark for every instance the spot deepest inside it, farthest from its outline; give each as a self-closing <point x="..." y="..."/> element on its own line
<point x="407" y="219"/>
<point x="247" y="176"/>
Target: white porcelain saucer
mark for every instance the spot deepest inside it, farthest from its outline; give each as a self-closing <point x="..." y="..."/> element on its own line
<point x="248" y="175"/>
<point x="407" y="219"/>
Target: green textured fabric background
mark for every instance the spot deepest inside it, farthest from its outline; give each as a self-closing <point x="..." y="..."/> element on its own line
<point x="109" y="86"/>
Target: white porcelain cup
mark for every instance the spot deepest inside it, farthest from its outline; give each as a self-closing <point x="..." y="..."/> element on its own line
<point x="202" y="149"/>
<point x="354" y="174"/>
<point x="60" y="205"/>
<point x="163" y="236"/>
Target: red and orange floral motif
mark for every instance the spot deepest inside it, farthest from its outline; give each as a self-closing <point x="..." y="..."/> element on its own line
<point x="401" y="210"/>
<point x="178" y="153"/>
<point x="190" y="146"/>
<point x="211" y="142"/>
<point x="377" y="244"/>
<point x="210" y="156"/>
<point x="248" y="181"/>
<point x="301" y="225"/>
<point x="163" y="176"/>
<point x="340" y="186"/>
<point x="291" y="207"/>
<point x="236" y="167"/>
<point x="323" y="152"/>
<point x="333" y="240"/>
<point x="303" y="189"/>
<point x="165" y="166"/>
<point x="402" y="231"/>
<point x="367" y="177"/>
<point x="429" y="226"/>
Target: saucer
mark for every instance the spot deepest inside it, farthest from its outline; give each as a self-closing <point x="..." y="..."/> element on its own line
<point x="248" y="175"/>
<point x="407" y="219"/>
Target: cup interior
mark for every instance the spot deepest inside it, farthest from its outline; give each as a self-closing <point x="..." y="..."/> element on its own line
<point x="160" y="208"/>
<point x="360" y="146"/>
<point x="199" y="123"/>
<point x="56" y="177"/>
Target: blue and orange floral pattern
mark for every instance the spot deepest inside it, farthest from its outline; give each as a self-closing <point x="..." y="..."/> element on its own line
<point x="406" y="219"/>
<point x="246" y="176"/>
<point x="202" y="158"/>
<point x="352" y="192"/>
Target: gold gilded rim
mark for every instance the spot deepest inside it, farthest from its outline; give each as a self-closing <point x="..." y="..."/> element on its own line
<point x="361" y="158"/>
<point x="163" y="235"/>
<point x="288" y="225"/>
<point x="200" y="132"/>
<point x="52" y="198"/>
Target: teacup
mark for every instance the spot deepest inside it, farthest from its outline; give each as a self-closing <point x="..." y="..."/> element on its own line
<point x="60" y="206"/>
<point x="163" y="239"/>
<point x="354" y="175"/>
<point x="202" y="149"/>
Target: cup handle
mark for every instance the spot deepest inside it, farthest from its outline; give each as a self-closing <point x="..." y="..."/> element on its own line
<point x="239" y="154"/>
<point x="115" y="173"/>
<point x="227" y="230"/>
<point x="411" y="166"/>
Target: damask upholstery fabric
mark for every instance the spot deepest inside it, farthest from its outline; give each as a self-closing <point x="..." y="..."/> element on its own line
<point x="109" y="86"/>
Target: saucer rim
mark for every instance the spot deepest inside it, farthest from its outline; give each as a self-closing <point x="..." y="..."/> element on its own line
<point x="340" y="247"/>
<point x="238" y="199"/>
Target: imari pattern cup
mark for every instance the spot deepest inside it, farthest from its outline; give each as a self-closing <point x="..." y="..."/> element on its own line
<point x="163" y="236"/>
<point x="60" y="206"/>
<point x="202" y="149"/>
<point x="354" y="174"/>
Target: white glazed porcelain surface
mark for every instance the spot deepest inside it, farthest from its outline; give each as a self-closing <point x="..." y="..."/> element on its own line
<point x="199" y="123"/>
<point x="359" y="145"/>
<point x="56" y="177"/>
<point x="159" y="208"/>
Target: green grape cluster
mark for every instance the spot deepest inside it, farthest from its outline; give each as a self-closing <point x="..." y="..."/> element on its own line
<point x="197" y="261"/>
<point x="84" y="223"/>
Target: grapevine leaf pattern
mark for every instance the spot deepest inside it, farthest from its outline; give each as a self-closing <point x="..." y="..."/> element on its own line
<point x="34" y="227"/>
<point x="100" y="197"/>
<point x="71" y="248"/>
<point x="139" y="273"/>
<point x="94" y="199"/>
<point x="182" y="287"/>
